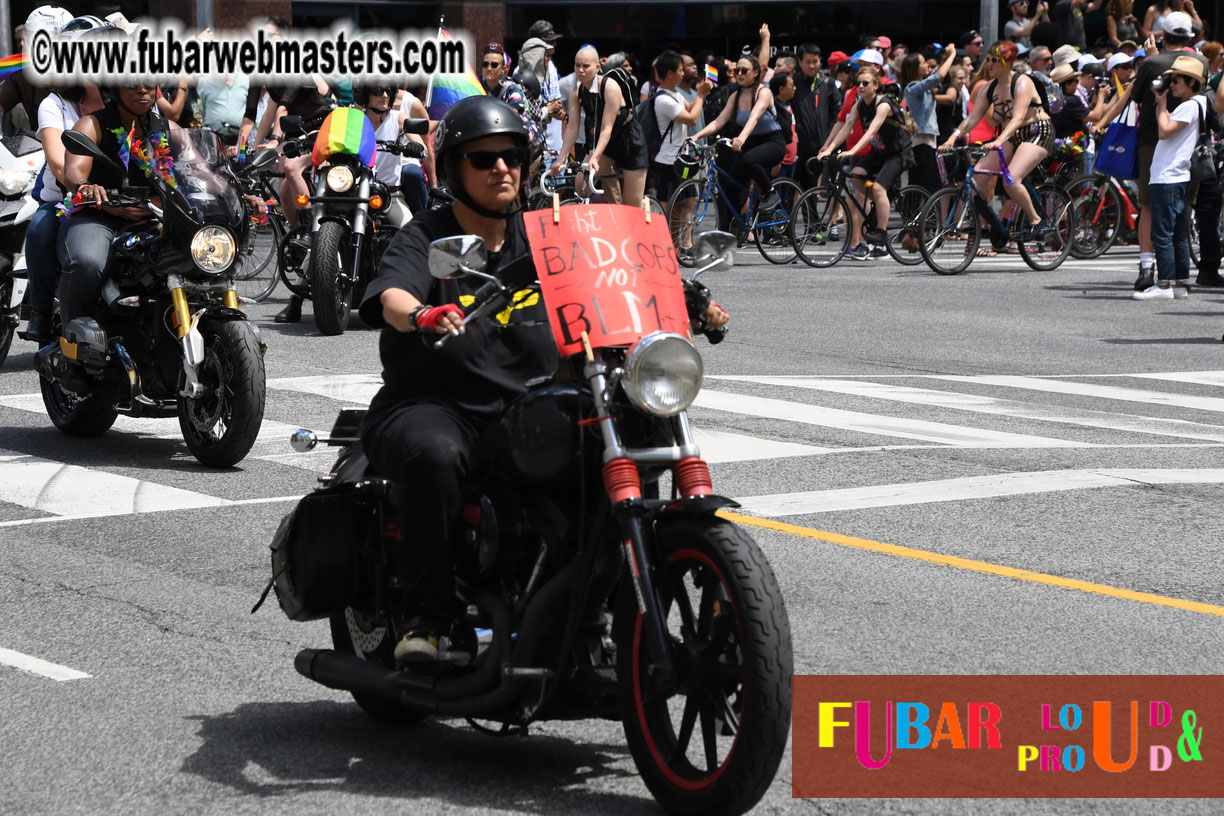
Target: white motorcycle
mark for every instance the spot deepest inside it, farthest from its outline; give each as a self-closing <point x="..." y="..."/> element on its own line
<point x="21" y="160"/>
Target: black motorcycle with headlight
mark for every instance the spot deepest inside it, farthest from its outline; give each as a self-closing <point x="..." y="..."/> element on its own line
<point x="353" y="216"/>
<point x="168" y="337"/>
<point x="581" y="593"/>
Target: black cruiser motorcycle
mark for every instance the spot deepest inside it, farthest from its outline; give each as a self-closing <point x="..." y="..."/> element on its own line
<point x="168" y="338"/>
<point x="581" y="594"/>
<point x="351" y="218"/>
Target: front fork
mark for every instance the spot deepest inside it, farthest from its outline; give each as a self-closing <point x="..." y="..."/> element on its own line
<point x="622" y="482"/>
<point x="188" y="329"/>
<point x="358" y="221"/>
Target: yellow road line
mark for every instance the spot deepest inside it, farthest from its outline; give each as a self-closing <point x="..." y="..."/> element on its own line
<point x="975" y="566"/>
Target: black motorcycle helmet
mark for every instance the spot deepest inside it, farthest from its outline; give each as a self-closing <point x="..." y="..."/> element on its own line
<point x="528" y="81"/>
<point x="468" y="120"/>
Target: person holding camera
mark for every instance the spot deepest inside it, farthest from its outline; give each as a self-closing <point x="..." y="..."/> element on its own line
<point x="1170" y="175"/>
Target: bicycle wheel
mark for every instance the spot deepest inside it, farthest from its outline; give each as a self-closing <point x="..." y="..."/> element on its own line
<point x="948" y="231"/>
<point x="1097" y="214"/>
<point x="1053" y="247"/>
<point x="258" y="260"/>
<point x="904" y="241"/>
<point x="655" y="206"/>
<point x="819" y="228"/>
<point x="693" y="212"/>
<point x="769" y="228"/>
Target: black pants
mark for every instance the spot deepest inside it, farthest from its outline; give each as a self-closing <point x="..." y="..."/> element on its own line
<point x="925" y="172"/>
<point x="426" y="449"/>
<point x="752" y="164"/>
<point x="1207" y="210"/>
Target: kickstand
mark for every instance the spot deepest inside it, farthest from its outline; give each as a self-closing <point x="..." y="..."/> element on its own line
<point x="506" y="730"/>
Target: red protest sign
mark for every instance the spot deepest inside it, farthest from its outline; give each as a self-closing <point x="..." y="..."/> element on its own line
<point x="604" y="271"/>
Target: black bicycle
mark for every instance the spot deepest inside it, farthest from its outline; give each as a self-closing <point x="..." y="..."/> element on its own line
<point x="820" y="224"/>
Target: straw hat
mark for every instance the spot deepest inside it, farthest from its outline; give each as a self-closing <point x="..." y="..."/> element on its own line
<point x="1189" y="67"/>
<point x="1063" y="73"/>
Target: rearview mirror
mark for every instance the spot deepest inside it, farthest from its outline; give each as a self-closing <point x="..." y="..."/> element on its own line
<point x="78" y="144"/>
<point x="458" y="255"/>
<point x="418" y="126"/>
<point x="292" y="126"/>
<point x="714" y="248"/>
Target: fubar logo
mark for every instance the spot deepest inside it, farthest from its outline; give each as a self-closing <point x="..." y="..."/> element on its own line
<point x="1030" y="736"/>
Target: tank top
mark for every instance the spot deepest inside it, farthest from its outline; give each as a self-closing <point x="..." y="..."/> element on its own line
<point x="888" y="138"/>
<point x="386" y="163"/>
<point x="108" y="118"/>
<point x="765" y="125"/>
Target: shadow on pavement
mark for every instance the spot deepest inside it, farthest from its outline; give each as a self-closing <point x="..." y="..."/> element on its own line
<point x="1160" y="341"/>
<point x="278" y="749"/>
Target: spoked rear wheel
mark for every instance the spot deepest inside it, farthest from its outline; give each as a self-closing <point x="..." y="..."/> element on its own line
<point x="1051" y="249"/>
<point x="692" y="212"/>
<point x="708" y="739"/>
<point x="904" y="236"/>
<point x="769" y="229"/>
<point x="1098" y="214"/>
<point x="258" y="263"/>
<point x="819" y="228"/>
<point x="948" y="230"/>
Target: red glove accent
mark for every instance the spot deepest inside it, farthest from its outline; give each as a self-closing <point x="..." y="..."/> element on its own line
<point x="428" y="318"/>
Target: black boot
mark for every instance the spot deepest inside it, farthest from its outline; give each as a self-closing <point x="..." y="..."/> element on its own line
<point x="39" y="328"/>
<point x="1147" y="277"/>
<point x="291" y="313"/>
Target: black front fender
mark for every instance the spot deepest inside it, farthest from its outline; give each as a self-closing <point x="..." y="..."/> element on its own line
<point x="694" y="506"/>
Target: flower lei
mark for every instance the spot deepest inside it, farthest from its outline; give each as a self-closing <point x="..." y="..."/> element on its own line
<point x="162" y="163"/>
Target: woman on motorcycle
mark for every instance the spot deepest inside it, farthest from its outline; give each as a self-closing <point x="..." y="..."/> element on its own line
<point x="422" y="426"/>
<point x="131" y="132"/>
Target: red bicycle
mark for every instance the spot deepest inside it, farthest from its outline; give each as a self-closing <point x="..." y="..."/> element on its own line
<point x="1103" y="209"/>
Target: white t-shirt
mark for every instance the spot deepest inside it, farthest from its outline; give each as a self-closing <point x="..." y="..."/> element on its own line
<point x="386" y="163"/>
<point x="54" y="112"/>
<point x="566" y="86"/>
<point x="1171" y="161"/>
<point x="554" y="135"/>
<point x="669" y="105"/>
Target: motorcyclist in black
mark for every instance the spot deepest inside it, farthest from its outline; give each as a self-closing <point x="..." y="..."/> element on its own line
<point x="422" y="426"/>
<point x="132" y="132"/>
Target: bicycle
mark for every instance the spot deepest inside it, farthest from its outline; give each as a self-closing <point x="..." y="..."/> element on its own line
<point x="570" y="192"/>
<point x="259" y="255"/>
<point x="819" y="229"/>
<point x="704" y="189"/>
<point x="951" y="221"/>
<point x="1103" y="211"/>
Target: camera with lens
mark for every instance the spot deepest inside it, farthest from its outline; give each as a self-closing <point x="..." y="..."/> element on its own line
<point x="1159" y="84"/>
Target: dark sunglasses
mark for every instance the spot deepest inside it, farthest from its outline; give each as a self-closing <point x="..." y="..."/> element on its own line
<point x="136" y="84"/>
<point x="977" y="42"/>
<point x="742" y="70"/>
<point x="491" y="64"/>
<point x="863" y="83"/>
<point x="487" y="159"/>
<point x="380" y="90"/>
<point x="993" y="58"/>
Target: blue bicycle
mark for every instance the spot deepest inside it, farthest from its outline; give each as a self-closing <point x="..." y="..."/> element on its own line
<point x="693" y="208"/>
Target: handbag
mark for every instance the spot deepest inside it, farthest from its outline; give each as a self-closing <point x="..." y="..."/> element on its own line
<point x="1202" y="161"/>
<point x="1119" y="153"/>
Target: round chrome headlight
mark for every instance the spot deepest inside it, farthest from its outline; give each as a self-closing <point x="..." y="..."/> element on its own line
<point x="339" y="179"/>
<point x="662" y="374"/>
<point x="213" y="249"/>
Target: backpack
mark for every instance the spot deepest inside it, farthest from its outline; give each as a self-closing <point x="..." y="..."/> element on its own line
<point x="903" y="119"/>
<point x="899" y="120"/>
<point x="645" y="114"/>
<point x="1037" y="83"/>
<point x="629" y="92"/>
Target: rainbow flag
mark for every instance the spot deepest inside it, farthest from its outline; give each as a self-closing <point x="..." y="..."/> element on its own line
<point x="345" y="131"/>
<point x="445" y="91"/>
<point x="11" y="65"/>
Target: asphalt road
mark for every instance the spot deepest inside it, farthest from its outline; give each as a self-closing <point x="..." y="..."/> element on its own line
<point x="1042" y="421"/>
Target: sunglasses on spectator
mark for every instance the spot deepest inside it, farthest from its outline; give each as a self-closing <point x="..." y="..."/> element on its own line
<point x="977" y="42"/>
<point x="490" y="64"/>
<point x="742" y="70"/>
<point x="863" y="83"/>
<point x="487" y="159"/>
<point x="136" y="84"/>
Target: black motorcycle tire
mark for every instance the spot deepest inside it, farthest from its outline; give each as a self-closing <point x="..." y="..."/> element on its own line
<point x="332" y="294"/>
<point x="233" y="370"/>
<point x="379" y="708"/>
<point x="78" y="416"/>
<point x="746" y="663"/>
<point x="7" y="328"/>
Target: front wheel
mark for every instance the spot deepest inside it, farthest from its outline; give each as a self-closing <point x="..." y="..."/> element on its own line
<point x="708" y="739"/>
<point x="221" y="427"/>
<point x="1052" y="248"/>
<point x="769" y="229"/>
<point x="691" y="211"/>
<point x="948" y="231"/>
<point x="904" y="236"/>
<point x="331" y="277"/>
<point x="819" y="228"/>
<point x="8" y="319"/>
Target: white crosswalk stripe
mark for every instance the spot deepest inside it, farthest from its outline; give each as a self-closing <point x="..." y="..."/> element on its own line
<point x="738" y="429"/>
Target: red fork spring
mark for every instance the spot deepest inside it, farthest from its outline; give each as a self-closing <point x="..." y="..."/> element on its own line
<point x="693" y="477"/>
<point x="621" y="480"/>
